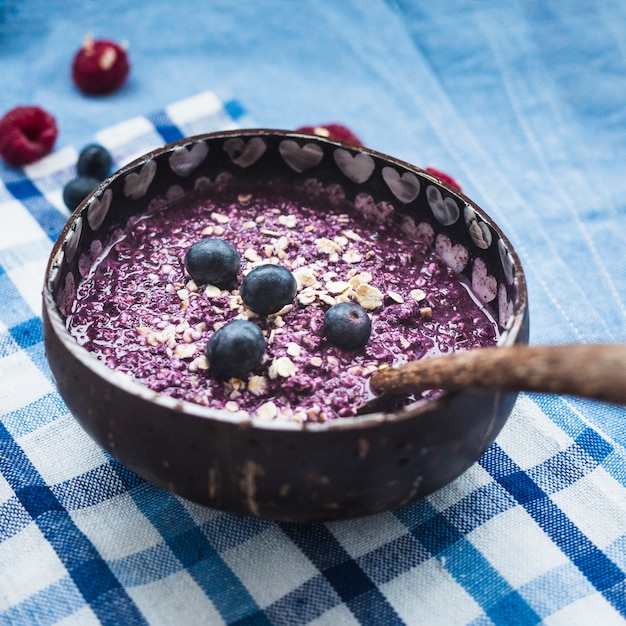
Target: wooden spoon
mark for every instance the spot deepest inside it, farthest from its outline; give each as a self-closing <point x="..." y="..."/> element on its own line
<point x="595" y="371"/>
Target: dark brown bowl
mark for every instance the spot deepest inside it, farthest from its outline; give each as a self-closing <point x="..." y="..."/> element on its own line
<point x="285" y="471"/>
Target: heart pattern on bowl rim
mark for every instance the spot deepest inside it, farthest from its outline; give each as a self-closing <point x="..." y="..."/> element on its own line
<point x="300" y="158"/>
<point x="418" y="232"/>
<point x="478" y="230"/>
<point x="136" y="183"/>
<point x="66" y="294"/>
<point x="446" y="211"/>
<point x="184" y="161"/>
<point x="98" y="209"/>
<point x="204" y="183"/>
<point x="358" y="167"/>
<point x="455" y="256"/>
<point x="245" y="153"/>
<point x="379" y="212"/>
<point x="71" y="243"/>
<point x="87" y="259"/>
<point x="507" y="262"/>
<point x="405" y="186"/>
<point x="484" y="285"/>
<point x="505" y="306"/>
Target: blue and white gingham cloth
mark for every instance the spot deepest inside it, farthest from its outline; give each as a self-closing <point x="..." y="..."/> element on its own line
<point x="535" y="532"/>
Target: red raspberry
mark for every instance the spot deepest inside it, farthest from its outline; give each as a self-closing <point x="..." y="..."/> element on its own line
<point x="332" y="131"/>
<point x="27" y="133"/>
<point x="100" y="66"/>
<point x="444" y="177"/>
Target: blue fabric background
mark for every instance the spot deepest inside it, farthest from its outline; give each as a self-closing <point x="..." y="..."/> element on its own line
<point x="524" y="103"/>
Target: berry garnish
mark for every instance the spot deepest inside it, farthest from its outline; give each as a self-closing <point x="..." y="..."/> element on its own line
<point x="94" y="160"/>
<point x="27" y="133"/>
<point x="212" y="261"/>
<point x="347" y="326"/>
<point x="235" y="349"/>
<point x="444" y="177"/>
<point x="100" y="66"/>
<point x="268" y="288"/>
<point x="77" y="190"/>
<point x="332" y="131"/>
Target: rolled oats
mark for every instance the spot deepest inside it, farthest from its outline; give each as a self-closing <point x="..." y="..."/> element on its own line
<point x="257" y="385"/>
<point x="282" y="366"/>
<point x="368" y="296"/>
<point x="352" y="256"/>
<point x="396" y="297"/>
<point x="417" y="294"/>
<point x="337" y="286"/>
<point x="251" y="255"/>
<point x="211" y="291"/>
<point x="267" y="410"/>
<point x="220" y="218"/>
<point x="293" y="349"/>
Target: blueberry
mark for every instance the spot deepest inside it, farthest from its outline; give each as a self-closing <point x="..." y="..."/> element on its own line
<point x="94" y="160"/>
<point x="235" y="349"/>
<point x="268" y="288"/>
<point x="212" y="261"/>
<point x="77" y="190"/>
<point x="347" y="326"/>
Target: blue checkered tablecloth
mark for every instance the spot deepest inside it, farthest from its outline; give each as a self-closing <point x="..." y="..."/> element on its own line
<point x="535" y="532"/>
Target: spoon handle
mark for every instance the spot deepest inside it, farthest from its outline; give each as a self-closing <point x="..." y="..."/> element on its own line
<point x="595" y="371"/>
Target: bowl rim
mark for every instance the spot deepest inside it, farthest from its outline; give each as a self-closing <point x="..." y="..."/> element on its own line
<point x="127" y="384"/>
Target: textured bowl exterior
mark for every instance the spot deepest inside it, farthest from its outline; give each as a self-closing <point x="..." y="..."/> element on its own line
<point x="289" y="472"/>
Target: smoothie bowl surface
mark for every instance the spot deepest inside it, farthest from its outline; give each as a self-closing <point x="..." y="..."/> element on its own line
<point x="126" y="326"/>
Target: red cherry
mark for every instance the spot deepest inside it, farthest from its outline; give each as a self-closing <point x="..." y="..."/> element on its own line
<point x="332" y="131"/>
<point x="100" y="66"/>
<point x="446" y="178"/>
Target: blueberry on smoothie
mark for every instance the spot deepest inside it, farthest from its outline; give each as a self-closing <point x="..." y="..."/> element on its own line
<point x="94" y="160"/>
<point x="212" y="261"/>
<point x="347" y="326"/>
<point x="235" y="349"/>
<point x="268" y="288"/>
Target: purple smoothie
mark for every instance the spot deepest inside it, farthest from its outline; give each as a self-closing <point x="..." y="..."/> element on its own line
<point x="138" y="310"/>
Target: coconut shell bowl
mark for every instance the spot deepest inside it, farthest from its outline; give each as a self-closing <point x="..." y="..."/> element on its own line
<point x="380" y="458"/>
